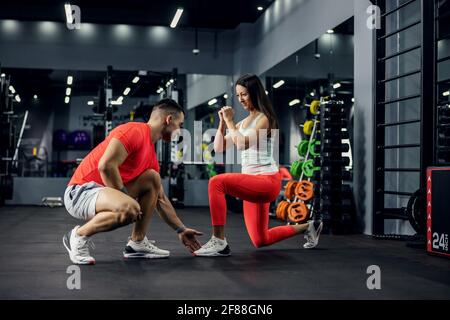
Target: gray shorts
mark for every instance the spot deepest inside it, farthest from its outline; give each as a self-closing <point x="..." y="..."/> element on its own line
<point x="80" y="200"/>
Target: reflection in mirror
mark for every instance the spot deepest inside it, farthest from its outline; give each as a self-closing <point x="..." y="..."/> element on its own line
<point x="68" y="113"/>
<point x="322" y="68"/>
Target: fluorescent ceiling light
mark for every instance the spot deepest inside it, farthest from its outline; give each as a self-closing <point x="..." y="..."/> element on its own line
<point x="172" y="81"/>
<point x="353" y="99"/>
<point x="336" y="85"/>
<point x="212" y="101"/>
<point x="18" y="98"/>
<point x="260" y="8"/>
<point x="294" y="102"/>
<point x="135" y="80"/>
<point x="35" y="96"/>
<point x="3" y="75"/>
<point x="67" y="99"/>
<point x="68" y="9"/>
<point x="446" y="93"/>
<point x="267" y="92"/>
<point x="176" y="18"/>
<point x="278" y="84"/>
<point x="11" y="88"/>
<point x="126" y="91"/>
<point x="120" y="99"/>
<point x="312" y="94"/>
<point x="116" y="103"/>
<point x="68" y="91"/>
<point x="90" y="103"/>
<point x="225" y="96"/>
<point x="69" y="80"/>
<point x="330" y="31"/>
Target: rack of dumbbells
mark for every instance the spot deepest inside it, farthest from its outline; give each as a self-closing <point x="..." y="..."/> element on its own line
<point x="299" y="205"/>
<point x="335" y="196"/>
<point x="443" y="135"/>
<point x="7" y="140"/>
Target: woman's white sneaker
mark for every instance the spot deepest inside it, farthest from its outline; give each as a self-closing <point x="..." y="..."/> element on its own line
<point x="78" y="247"/>
<point x="215" y="247"/>
<point x="312" y="234"/>
<point x="144" y="249"/>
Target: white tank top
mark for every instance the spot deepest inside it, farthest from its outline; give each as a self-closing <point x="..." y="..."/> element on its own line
<point x="256" y="160"/>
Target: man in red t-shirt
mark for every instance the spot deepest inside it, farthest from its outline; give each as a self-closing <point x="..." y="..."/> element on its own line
<point x="118" y="183"/>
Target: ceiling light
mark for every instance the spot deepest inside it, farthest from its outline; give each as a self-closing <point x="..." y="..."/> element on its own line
<point x="3" y="75"/>
<point x="167" y="84"/>
<point x="126" y="91"/>
<point x="176" y="18"/>
<point x="336" y="85"/>
<point x="446" y="93"/>
<point x="353" y="99"/>
<point x="267" y="92"/>
<point x="11" y="88"/>
<point x="260" y="8"/>
<point x="159" y="90"/>
<point x="116" y="103"/>
<point x="278" y="84"/>
<point x="35" y="96"/>
<point x="67" y="99"/>
<point x="90" y="103"/>
<point x="69" y="80"/>
<point x="225" y="96"/>
<point x="135" y="80"/>
<point x="294" y="102"/>
<point x="212" y="101"/>
<point x="120" y="99"/>
<point x="68" y="9"/>
<point x="68" y="91"/>
<point x="17" y="98"/>
<point x="330" y="31"/>
<point x="312" y="94"/>
<point x="172" y="81"/>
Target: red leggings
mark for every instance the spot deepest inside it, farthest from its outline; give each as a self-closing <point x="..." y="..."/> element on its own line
<point x="257" y="191"/>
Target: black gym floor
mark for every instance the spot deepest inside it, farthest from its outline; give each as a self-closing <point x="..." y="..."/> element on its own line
<point x="34" y="264"/>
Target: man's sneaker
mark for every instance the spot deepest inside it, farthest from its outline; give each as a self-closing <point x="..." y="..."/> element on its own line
<point x="215" y="247"/>
<point x="78" y="247"/>
<point x="144" y="249"/>
<point x="312" y="234"/>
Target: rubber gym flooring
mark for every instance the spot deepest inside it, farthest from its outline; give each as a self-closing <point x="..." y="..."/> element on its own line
<point x="34" y="264"/>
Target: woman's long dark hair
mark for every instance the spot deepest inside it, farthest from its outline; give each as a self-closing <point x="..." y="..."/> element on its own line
<point x="259" y="98"/>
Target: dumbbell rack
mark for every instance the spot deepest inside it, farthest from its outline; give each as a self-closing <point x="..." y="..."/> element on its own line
<point x="299" y="204"/>
<point x="334" y="196"/>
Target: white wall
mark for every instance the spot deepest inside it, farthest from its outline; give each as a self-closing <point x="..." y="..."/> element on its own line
<point x="363" y="116"/>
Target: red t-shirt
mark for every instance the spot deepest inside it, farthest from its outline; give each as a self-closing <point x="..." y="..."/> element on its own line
<point x="136" y="138"/>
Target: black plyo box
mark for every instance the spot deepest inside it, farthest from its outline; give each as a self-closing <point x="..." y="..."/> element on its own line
<point x="438" y="210"/>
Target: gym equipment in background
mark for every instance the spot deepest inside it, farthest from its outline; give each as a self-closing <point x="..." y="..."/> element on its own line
<point x="437" y="212"/>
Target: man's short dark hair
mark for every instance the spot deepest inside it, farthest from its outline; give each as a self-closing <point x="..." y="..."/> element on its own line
<point x="169" y="105"/>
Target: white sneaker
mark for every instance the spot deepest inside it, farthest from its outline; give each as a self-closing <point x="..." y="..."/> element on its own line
<point x="312" y="234"/>
<point x="78" y="247"/>
<point x="144" y="249"/>
<point x="215" y="247"/>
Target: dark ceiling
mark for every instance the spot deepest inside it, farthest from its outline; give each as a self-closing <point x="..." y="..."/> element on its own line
<point x="210" y="14"/>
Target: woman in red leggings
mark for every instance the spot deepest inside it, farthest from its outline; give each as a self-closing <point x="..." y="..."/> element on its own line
<point x="260" y="180"/>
